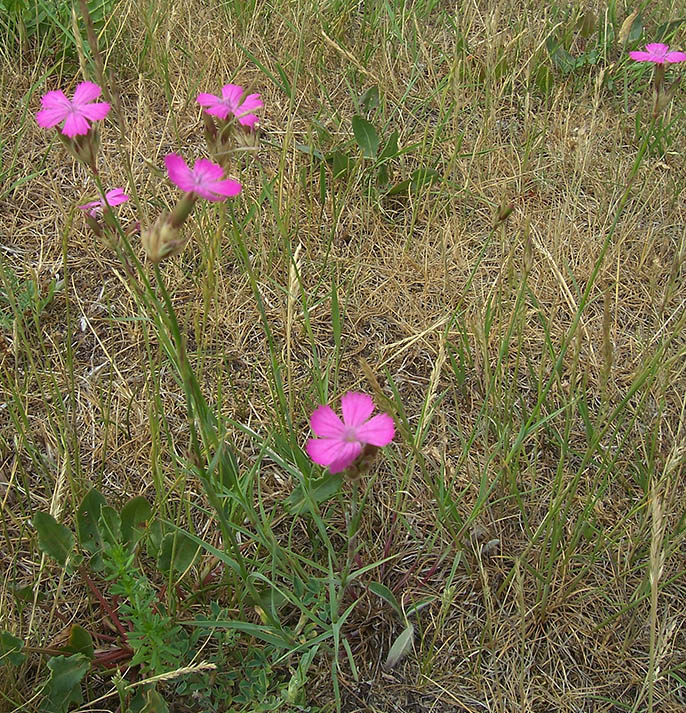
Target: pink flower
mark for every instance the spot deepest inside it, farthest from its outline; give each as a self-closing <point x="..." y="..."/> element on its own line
<point x="205" y="179"/>
<point x="114" y="197"/>
<point x="76" y="113"/>
<point x="658" y="54"/>
<point x="340" y="442"/>
<point x="230" y="103"/>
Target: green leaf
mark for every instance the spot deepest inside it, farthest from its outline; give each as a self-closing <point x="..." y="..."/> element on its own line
<point x="340" y="163"/>
<point x="391" y="148"/>
<point x="10" y="649"/>
<point x="87" y="517"/>
<point x="320" y="491"/>
<point x="110" y="525"/>
<point x="154" y="703"/>
<point x="636" y="30"/>
<point x="381" y="590"/>
<point x="667" y="29"/>
<point x="135" y="513"/>
<point x="64" y="685"/>
<point x="80" y="642"/>
<point x="54" y="539"/>
<point x="370" y="99"/>
<point x="401" y="647"/>
<point x="177" y="549"/>
<point x="366" y="136"/>
<point x="564" y="61"/>
<point x="420" y="177"/>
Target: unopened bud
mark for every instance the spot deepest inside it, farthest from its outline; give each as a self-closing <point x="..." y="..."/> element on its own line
<point x="182" y="210"/>
<point x="83" y="147"/>
<point x="162" y="240"/>
<point x="662" y="97"/>
<point x="504" y="212"/>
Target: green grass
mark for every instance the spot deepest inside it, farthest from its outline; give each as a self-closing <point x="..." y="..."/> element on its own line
<point x="527" y="523"/>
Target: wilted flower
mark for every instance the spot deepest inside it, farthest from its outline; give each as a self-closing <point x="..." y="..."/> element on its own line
<point x="232" y="102"/>
<point x="205" y="179"/>
<point x="658" y="54"/>
<point x="76" y="112"/>
<point x="114" y="197"/>
<point x="340" y="443"/>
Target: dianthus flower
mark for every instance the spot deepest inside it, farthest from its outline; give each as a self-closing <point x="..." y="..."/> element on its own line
<point x="76" y="112"/>
<point x="658" y="53"/>
<point x="205" y="179"/>
<point x="114" y="197"/>
<point x="230" y="103"/>
<point x="340" y="442"/>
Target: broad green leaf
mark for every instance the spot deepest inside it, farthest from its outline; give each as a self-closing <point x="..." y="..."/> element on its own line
<point x="11" y="649"/>
<point x="54" y="539"/>
<point x="401" y="646"/>
<point x="381" y="590"/>
<point x="87" y="517"/>
<point x="564" y="61"/>
<point x="154" y="703"/>
<point x="177" y="549"/>
<point x="80" y="642"/>
<point x="64" y="685"/>
<point x="134" y="514"/>
<point x="636" y="30"/>
<point x="366" y="136"/>
<point x="320" y="491"/>
<point x="340" y="163"/>
<point x="370" y="99"/>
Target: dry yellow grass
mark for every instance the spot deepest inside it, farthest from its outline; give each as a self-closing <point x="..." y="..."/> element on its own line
<point x="519" y="625"/>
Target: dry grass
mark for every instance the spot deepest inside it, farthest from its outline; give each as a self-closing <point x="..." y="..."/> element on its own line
<point x="577" y="601"/>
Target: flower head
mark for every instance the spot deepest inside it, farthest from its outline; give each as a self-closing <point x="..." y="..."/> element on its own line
<point x="76" y="112"/>
<point x="114" y="197"/>
<point x="658" y="54"/>
<point x="340" y="442"/>
<point x="230" y="103"/>
<point x="205" y="179"/>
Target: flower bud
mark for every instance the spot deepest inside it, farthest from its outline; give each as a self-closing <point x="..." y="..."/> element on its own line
<point x="162" y="240"/>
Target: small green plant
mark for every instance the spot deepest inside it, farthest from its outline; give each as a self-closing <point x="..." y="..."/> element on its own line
<point x="23" y="297"/>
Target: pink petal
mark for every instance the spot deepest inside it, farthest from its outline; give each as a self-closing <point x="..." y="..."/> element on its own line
<point x="219" y="110"/>
<point x="85" y="93"/>
<point x="116" y="196"/>
<point x="205" y="171"/>
<point x="47" y="118"/>
<point x="179" y="174"/>
<point x="249" y="120"/>
<point x="231" y="94"/>
<point x="657" y="48"/>
<point x="332" y="452"/>
<point x="326" y="423"/>
<point x="251" y="103"/>
<point x="356" y="407"/>
<point x="640" y="56"/>
<point x="75" y="125"/>
<point x="55" y="100"/>
<point x="92" y="207"/>
<point x="94" y="112"/>
<point x="225" y="189"/>
<point x="675" y="57"/>
<point x="207" y="99"/>
<point x="378" y="431"/>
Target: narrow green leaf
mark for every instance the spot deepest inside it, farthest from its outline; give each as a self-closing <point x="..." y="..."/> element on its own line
<point x="366" y="136"/>
<point x="419" y="178"/>
<point x="370" y="99"/>
<point x="54" y="539"/>
<point x="391" y="148"/>
<point x="381" y="590"/>
<point x="340" y="163"/>
<point x="401" y="647"/>
<point x="564" y="61"/>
